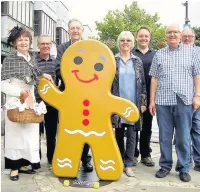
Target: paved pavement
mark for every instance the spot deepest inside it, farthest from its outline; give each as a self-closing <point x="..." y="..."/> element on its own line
<point x="144" y="181"/>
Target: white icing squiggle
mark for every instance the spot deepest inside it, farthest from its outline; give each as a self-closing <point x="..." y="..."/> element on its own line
<point x="106" y="168"/>
<point x="64" y="165"/>
<point x="106" y="162"/>
<point x="63" y="160"/>
<point x="86" y="134"/>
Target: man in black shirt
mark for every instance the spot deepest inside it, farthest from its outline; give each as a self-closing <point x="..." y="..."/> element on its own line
<point x="143" y="38"/>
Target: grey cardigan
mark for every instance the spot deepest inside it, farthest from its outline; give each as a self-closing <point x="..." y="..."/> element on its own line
<point x="140" y="92"/>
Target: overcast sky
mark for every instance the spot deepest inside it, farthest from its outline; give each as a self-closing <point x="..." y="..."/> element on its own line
<point x="169" y="11"/>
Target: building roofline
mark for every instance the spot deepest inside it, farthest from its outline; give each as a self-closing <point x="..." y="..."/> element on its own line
<point x="64" y="5"/>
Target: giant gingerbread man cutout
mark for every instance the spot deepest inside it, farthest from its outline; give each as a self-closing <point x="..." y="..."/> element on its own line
<point x="85" y="108"/>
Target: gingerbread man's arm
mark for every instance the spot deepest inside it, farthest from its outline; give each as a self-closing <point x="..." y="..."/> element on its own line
<point x="124" y="108"/>
<point x="50" y="93"/>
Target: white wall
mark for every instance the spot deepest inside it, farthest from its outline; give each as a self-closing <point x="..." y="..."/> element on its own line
<point x="48" y="7"/>
<point x="62" y="15"/>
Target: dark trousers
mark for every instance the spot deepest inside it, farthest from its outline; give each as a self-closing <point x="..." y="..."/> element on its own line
<point x="145" y="134"/>
<point x="128" y="153"/>
<point x="85" y="157"/>
<point x="41" y="126"/>
<point x="137" y="152"/>
<point x="50" y="123"/>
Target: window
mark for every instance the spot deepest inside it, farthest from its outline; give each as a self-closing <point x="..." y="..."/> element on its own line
<point x="50" y="28"/>
<point x="57" y="36"/>
<point x="61" y="35"/>
<point x="27" y="13"/>
<point x="4" y="7"/>
<point x="23" y="10"/>
<point x="19" y="15"/>
<point x="10" y="8"/>
<point x="15" y="11"/>
<point x="48" y="25"/>
<point x="43" y="24"/>
<point x="37" y="23"/>
<point x="53" y="30"/>
<point x="31" y="14"/>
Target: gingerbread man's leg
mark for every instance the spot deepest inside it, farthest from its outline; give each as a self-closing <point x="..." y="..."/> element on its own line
<point x="67" y="155"/>
<point x="107" y="158"/>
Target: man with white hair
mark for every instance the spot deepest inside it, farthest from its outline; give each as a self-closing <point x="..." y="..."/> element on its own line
<point x="188" y="38"/>
<point x="175" y="70"/>
<point x="75" y="30"/>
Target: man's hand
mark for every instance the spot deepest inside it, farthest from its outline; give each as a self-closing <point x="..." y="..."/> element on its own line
<point x="48" y="77"/>
<point x="196" y="102"/>
<point x="152" y="108"/>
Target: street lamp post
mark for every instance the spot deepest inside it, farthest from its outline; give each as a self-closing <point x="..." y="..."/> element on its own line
<point x="186" y="13"/>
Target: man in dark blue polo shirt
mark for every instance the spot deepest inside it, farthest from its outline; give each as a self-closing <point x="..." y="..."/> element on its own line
<point x="46" y="64"/>
<point x="143" y="38"/>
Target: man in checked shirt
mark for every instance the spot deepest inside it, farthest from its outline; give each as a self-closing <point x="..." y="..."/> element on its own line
<point x="174" y="96"/>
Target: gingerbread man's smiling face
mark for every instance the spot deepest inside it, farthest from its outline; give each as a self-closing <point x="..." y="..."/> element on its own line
<point x="88" y="63"/>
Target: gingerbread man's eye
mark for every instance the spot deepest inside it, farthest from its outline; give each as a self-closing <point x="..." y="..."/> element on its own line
<point x="78" y="60"/>
<point x="98" y="67"/>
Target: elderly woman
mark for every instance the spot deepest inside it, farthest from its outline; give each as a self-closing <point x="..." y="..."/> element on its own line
<point x="19" y="74"/>
<point x="129" y="83"/>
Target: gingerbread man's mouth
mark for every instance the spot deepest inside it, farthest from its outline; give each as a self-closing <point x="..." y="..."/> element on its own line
<point x="84" y="81"/>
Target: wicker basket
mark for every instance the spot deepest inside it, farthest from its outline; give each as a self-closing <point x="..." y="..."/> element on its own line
<point x="26" y="116"/>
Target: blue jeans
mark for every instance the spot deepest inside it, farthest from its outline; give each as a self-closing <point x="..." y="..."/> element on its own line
<point x="180" y="117"/>
<point x="195" y="136"/>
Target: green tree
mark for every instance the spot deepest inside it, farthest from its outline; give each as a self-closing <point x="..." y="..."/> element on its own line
<point x="130" y="19"/>
<point x="197" y="31"/>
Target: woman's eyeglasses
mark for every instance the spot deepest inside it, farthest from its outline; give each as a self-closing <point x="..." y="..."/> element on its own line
<point x="127" y="40"/>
